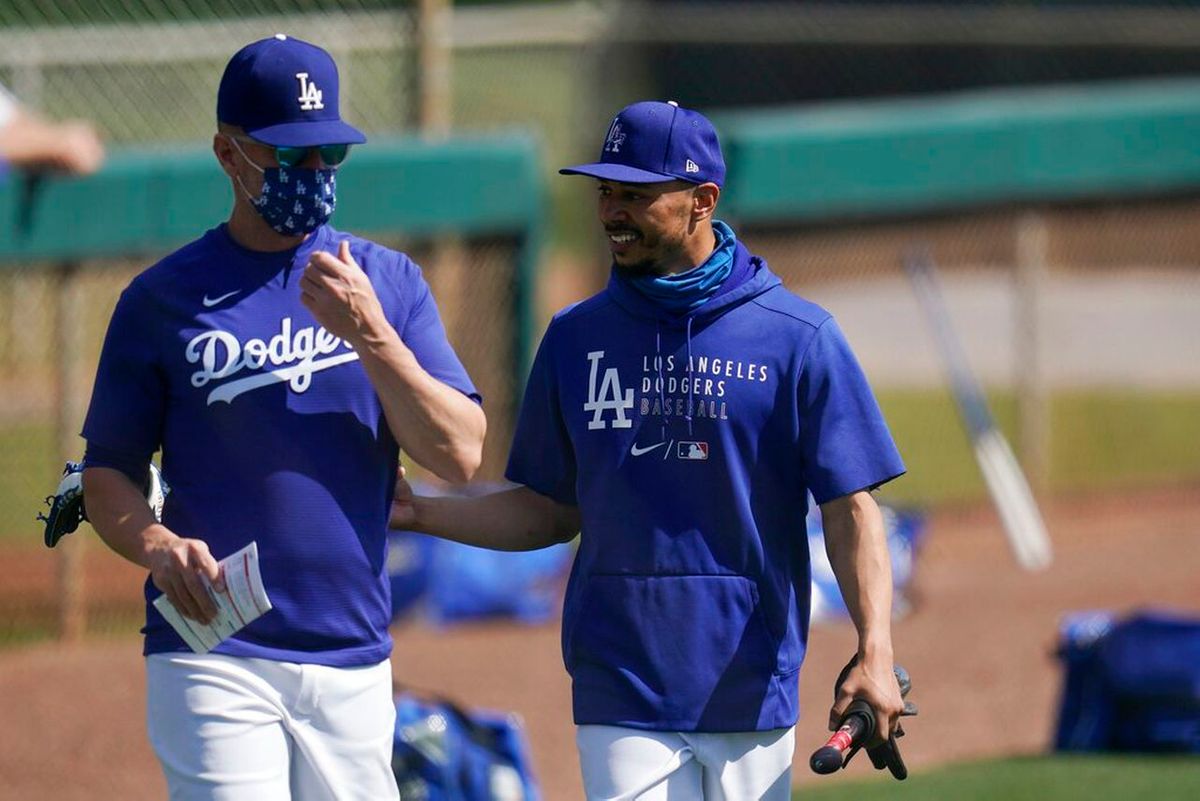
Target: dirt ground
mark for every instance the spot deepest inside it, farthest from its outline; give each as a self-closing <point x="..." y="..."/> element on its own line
<point x="978" y="646"/>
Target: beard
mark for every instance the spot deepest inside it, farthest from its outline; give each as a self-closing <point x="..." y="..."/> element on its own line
<point x="646" y="268"/>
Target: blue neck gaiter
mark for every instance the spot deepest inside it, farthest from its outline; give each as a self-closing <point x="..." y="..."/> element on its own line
<point x="688" y="291"/>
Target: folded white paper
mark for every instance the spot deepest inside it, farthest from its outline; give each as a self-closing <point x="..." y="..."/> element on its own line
<point x="244" y="600"/>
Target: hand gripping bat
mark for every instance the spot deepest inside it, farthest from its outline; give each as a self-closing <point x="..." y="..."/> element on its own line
<point x="858" y="727"/>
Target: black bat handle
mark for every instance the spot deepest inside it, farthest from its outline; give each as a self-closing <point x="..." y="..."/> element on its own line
<point x="856" y="727"/>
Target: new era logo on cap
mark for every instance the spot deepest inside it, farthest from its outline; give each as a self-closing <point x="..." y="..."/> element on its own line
<point x="650" y="142"/>
<point x="284" y="92"/>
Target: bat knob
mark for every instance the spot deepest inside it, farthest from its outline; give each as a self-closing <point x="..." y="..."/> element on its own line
<point x="826" y="760"/>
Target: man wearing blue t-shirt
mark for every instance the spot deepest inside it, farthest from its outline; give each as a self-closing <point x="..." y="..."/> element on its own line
<point x="678" y="421"/>
<point x="281" y="366"/>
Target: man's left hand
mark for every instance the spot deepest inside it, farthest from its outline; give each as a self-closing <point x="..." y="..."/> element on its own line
<point x="874" y="682"/>
<point x="340" y="296"/>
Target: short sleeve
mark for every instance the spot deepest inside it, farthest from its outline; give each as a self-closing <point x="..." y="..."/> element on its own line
<point x="845" y="442"/>
<point x="542" y="456"/>
<point x="129" y="396"/>
<point x="425" y="336"/>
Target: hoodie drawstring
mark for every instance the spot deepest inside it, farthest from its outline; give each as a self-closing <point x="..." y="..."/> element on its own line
<point x="658" y="365"/>
<point x="691" y="383"/>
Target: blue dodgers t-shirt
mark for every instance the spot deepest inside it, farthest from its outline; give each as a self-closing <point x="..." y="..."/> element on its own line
<point x="689" y="445"/>
<point x="270" y="430"/>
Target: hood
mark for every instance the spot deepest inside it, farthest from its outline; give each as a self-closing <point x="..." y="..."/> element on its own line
<point x="756" y="279"/>
<point x="759" y="280"/>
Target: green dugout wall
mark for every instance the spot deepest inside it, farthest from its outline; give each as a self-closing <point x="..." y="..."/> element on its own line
<point x="915" y="155"/>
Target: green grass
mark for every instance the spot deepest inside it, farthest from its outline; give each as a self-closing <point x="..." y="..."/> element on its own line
<point x="1058" y="778"/>
<point x="1099" y="440"/>
<point x="1144" y="439"/>
<point x="28" y="472"/>
<point x="935" y="448"/>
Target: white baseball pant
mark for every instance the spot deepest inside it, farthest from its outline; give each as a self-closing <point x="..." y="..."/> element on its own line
<point x="623" y="764"/>
<point x="234" y="729"/>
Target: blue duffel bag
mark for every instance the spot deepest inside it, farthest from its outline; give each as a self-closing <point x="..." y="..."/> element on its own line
<point x="1130" y="685"/>
<point x="441" y="752"/>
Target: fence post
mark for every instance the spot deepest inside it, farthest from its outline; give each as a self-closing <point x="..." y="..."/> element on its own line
<point x="71" y="395"/>
<point x="435" y="102"/>
<point x="1033" y="399"/>
<point x="448" y="255"/>
<point x="435" y="96"/>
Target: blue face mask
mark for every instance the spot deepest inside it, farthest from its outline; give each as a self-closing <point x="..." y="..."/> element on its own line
<point x="294" y="200"/>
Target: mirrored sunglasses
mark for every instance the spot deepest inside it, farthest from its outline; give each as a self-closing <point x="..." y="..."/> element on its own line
<point x="331" y="155"/>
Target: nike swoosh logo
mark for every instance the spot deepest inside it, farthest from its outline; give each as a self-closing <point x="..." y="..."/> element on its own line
<point x="636" y="451"/>
<point x="210" y="302"/>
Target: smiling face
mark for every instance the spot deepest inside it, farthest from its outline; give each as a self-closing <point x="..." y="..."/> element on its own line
<point x="659" y="228"/>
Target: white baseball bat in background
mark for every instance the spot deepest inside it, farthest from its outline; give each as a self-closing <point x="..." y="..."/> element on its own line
<point x="1005" y="481"/>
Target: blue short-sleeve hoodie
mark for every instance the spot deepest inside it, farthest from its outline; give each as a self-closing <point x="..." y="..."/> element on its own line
<point x="690" y="443"/>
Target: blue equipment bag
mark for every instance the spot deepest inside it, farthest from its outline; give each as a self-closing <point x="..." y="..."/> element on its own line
<point x="450" y="582"/>
<point x="905" y="530"/>
<point x="440" y="752"/>
<point x="1131" y="685"/>
<point x="468" y="583"/>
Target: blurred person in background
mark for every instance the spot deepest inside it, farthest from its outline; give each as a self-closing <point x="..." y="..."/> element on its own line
<point x="281" y="366"/>
<point x="28" y="141"/>
<point x="677" y="421"/>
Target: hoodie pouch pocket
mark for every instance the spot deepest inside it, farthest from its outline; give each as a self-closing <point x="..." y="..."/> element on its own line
<point x="671" y="642"/>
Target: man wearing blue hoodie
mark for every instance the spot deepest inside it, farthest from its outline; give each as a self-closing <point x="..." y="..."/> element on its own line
<point x="678" y="421"/>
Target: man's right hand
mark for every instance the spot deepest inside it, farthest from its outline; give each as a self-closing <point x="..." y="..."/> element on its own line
<point x="176" y="567"/>
<point x="403" y="514"/>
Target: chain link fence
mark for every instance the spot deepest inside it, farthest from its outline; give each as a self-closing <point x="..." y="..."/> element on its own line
<point x="765" y="52"/>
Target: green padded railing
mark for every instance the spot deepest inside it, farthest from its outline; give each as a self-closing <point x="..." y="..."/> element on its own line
<point x="914" y="155"/>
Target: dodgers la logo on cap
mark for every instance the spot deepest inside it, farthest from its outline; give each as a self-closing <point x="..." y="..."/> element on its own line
<point x="649" y="142"/>
<point x="284" y="92"/>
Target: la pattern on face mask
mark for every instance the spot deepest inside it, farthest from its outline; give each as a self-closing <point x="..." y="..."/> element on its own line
<point x="296" y="200"/>
<point x="293" y="200"/>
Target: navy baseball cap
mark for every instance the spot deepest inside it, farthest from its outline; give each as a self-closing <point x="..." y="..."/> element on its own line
<point x="650" y="142"/>
<point x="284" y="92"/>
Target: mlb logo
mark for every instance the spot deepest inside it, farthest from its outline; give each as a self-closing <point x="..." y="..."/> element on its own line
<point x="693" y="451"/>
